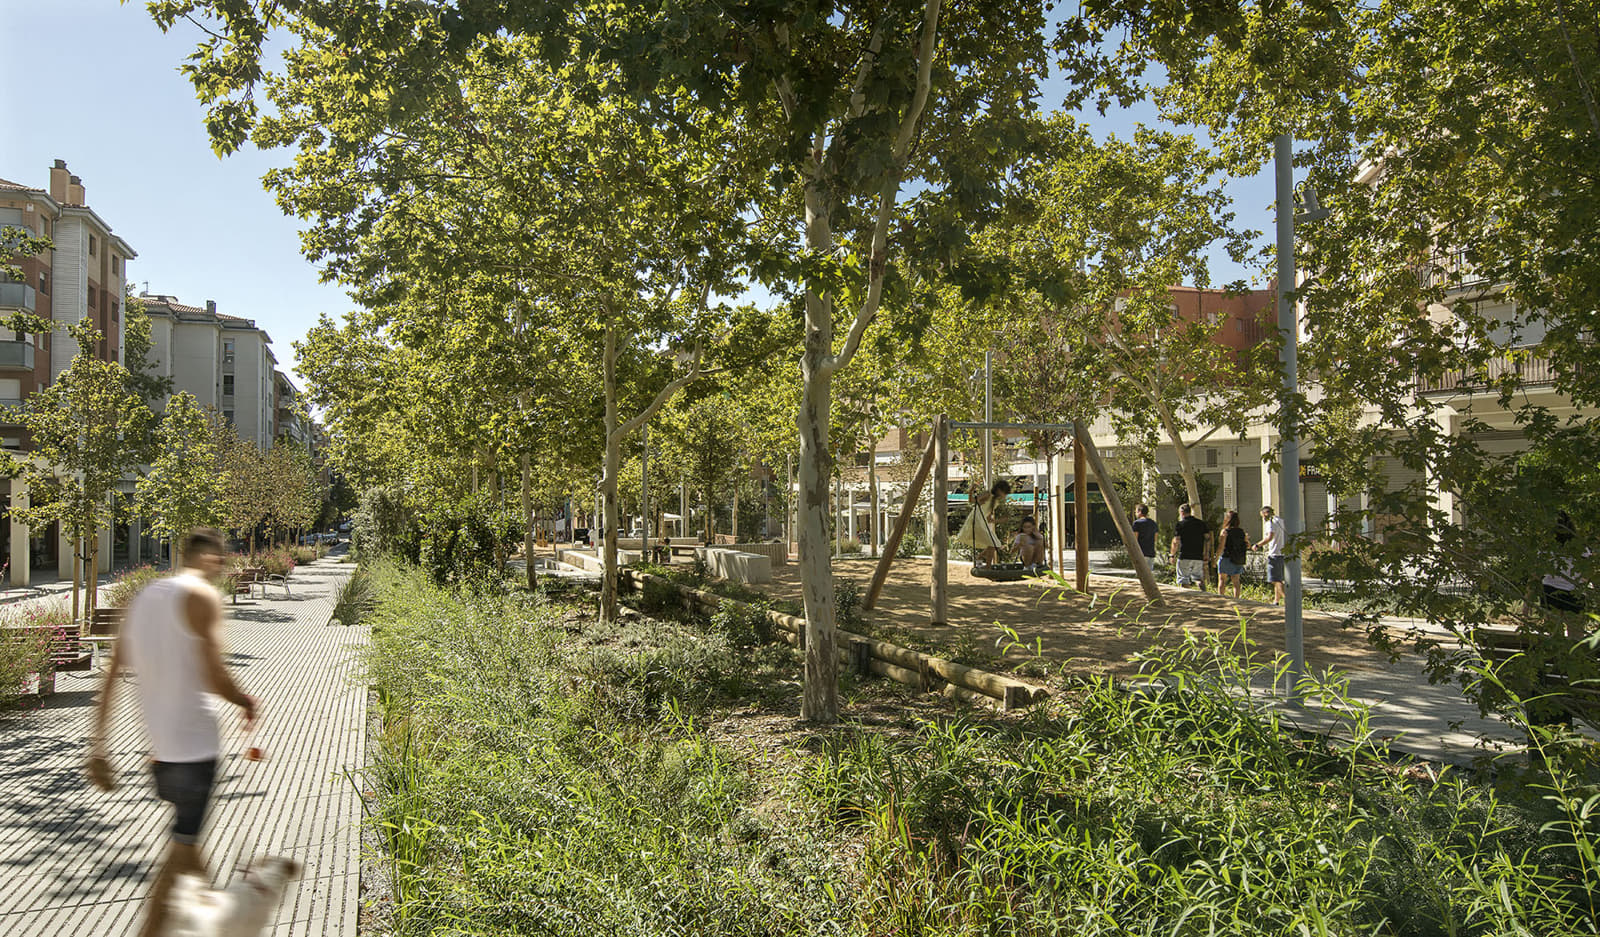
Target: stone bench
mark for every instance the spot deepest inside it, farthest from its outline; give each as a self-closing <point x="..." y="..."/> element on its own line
<point x="589" y="560"/>
<point x="736" y="565"/>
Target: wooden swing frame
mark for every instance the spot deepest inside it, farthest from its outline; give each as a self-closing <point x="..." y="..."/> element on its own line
<point x="937" y="461"/>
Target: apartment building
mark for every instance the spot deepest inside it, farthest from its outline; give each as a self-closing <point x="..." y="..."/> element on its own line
<point x="1234" y="466"/>
<point x="225" y="361"/>
<point x="81" y="277"/>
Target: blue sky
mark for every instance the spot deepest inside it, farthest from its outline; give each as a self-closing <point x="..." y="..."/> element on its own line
<point x="95" y="83"/>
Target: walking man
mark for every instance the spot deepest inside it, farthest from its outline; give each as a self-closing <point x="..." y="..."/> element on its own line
<point x="1191" y="548"/>
<point x="1145" y="530"/>
<point x="169" y="640"/>
<point x="1273" y="536"/>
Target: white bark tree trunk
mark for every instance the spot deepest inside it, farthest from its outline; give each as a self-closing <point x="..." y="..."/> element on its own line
<point x="608" y="485"/>
<point x="527" y="521"/>
<point x="872" y="488"/>
<point x="820" y="701"/>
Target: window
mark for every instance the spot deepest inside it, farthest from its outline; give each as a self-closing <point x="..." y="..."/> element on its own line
<point x="91" y="245"/>
<point x="116" y="264"/>
<point x="227" y="385"/>
<point x="44" y="283"/>
<point x="227" y="350"/>
<point x="227" y="415"/>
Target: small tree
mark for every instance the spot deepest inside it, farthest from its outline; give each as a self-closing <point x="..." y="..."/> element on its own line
<point x="183" y="489"/>
<point x="89" y="429"/>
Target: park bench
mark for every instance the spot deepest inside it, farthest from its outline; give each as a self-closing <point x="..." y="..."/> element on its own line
<point x="684" y="548"/>
<point x="104" y="627"/>
<point x="251" y="577"/>
<point x="1498" y="646"/>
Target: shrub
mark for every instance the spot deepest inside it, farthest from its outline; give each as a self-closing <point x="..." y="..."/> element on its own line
<point x="915" y="540"/>
<point x="847" y="604"/>
<point x="848" y="546"/>
<point x="355" y="598"/>
<point x="279" y="562"/>
<point x="120" y="593"/>
<point x="746" y="626"/>
<point x="22" y="652"/>
<point x="304" y="554"/>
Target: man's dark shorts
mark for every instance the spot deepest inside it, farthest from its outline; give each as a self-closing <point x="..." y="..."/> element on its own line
<point x="1275" y="568"/>
<point x="186" y="785"/>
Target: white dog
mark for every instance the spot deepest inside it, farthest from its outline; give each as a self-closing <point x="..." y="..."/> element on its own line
<point x="242" y="910"/>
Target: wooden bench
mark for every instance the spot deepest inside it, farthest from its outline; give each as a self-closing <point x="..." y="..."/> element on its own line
<point x="1499" y="646"/>
<point x="104" y="627"/>
<point x="247" y="579"/>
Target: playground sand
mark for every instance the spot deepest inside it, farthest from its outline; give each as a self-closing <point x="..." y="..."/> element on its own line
<point x="1101" y="632"/>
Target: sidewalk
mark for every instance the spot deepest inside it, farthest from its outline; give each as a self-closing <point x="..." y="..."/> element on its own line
<point x="78" y="861"/>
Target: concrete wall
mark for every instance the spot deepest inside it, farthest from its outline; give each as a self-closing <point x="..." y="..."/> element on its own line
<point x="196" y="361"/>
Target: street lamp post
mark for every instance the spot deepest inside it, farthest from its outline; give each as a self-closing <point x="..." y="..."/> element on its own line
<point x="1289" y="463"/>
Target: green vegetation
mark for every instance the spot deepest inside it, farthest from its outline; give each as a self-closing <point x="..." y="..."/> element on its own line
<point x="538" y="772"/>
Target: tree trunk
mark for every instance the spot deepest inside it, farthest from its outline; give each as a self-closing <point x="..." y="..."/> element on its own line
<point x="92" y="578"/>
<point x="872" y="498"/>
<point x="820" y="700"/>
<point x="608" y="486"/>
<point x="1191" y="481"/>
<point x="527" y="521"/>
<point x="735" y="524"/>
<point x="77" y="575"/>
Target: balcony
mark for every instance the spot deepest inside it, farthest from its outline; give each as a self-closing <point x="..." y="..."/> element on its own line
<point x="18" y="296"/>
<point x="14" y="355"/>
<point x="1532" y="371"/>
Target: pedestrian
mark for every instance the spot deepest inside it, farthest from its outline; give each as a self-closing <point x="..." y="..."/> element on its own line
<point x="1191" y="548"/>
<point x="1144" y="530"/>
<point x="1274" y="536"/>
<point x="1232" y="552"/>
<point x="1029" y="544"/>
<point x="169" y="640"/>
<point x="978" y="530"/>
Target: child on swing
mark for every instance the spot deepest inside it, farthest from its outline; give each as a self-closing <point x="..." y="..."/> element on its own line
<point x="1028" y="544"/>
<point x="977" y="531"/>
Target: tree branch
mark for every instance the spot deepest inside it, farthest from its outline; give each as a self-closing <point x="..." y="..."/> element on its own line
<point x="661" y="398"/>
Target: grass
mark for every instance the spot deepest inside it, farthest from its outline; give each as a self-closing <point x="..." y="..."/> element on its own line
<point x="539" y="773"/>
<point x="355" y="598"/>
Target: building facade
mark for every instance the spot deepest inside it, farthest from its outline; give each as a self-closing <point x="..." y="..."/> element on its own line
<point x="82" y="276"/>
<point x="225" y="361"/>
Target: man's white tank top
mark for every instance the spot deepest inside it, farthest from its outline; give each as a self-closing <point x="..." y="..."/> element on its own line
<point x="166" y="656"/>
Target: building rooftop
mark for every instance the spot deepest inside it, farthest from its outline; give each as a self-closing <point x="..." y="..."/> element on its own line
<point x="6" y="185"/>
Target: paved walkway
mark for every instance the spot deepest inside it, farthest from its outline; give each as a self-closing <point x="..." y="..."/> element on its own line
<point x="78" y="861"/>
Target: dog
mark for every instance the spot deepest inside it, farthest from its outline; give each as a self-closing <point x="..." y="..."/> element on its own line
<point x="243" y="909"/>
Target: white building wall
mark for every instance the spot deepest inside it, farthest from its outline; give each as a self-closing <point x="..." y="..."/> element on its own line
<point x="196" y="361"/>
<point x="69" y="285"/>
<point x="252" y="382"/>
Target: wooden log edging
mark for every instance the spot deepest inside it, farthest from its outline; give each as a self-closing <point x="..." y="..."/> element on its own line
<point x="900" y="664"/>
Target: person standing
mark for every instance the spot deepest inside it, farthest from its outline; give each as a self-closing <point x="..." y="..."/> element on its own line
<point x="1144" y="530"/>
<point x="1274" y="536"/>
<point x="169" y="640"/>
<point x="1231" y="555"/>
<point x="1191" y="548"/>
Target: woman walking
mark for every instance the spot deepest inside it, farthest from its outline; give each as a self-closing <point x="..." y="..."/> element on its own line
<point x="1231" y="559"/>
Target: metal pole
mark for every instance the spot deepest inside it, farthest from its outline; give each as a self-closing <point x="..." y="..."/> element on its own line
<point x="988" y="417"/>
<point x="644" y="490"/>
<point x="1289" y="472"/>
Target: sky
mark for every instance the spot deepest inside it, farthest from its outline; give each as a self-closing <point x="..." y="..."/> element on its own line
<point x="95" y="83"/>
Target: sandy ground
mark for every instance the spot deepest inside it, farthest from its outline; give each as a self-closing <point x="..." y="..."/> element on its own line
<point x="1098" y="632"/>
